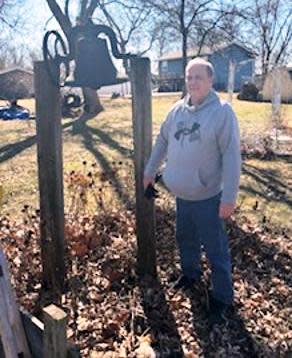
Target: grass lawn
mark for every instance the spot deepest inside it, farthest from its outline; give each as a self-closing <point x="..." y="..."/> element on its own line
<point x="265" y="185"/>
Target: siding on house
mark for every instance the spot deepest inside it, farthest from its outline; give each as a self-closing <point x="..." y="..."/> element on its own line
<point x="170" y="67"/>
<point x="244" y="66"/>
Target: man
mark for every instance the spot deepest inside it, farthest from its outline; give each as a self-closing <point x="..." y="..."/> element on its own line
<point x="200" y="139"/>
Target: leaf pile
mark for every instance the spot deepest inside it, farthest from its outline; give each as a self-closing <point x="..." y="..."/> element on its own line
<point x="113" y="313"/>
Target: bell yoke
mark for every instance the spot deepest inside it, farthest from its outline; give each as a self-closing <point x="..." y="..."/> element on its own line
<point x="93" y="64"/>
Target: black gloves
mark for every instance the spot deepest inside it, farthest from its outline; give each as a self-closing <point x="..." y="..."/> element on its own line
<point x="150" y="191"/>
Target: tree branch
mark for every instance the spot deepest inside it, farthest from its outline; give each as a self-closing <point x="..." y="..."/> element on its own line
<point x="280" y="31"/>
<point x="64" y="22"/>
<point x="91" y="8"/>
<point x="112" y="22"/>
<point x="197" y="11"/>
<point x="66" y="9"/>
<point x="153" y="38"/>
<point x="83" y="8"/>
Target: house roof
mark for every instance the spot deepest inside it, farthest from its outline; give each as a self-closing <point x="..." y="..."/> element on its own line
<point x="13" y="69"/>
<point x="205" y="51"/>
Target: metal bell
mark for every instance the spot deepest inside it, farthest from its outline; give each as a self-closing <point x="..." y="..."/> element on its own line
<point x="94" y="67"/>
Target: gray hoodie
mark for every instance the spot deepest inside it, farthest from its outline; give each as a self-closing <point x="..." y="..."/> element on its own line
<point x="202" y="147"/>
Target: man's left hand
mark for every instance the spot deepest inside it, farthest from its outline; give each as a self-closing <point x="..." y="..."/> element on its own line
<point x="226" y="210"/>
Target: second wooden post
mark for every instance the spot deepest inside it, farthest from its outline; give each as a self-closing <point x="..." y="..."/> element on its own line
<point x="142" y="127"/>
<point x="50" y="169"/>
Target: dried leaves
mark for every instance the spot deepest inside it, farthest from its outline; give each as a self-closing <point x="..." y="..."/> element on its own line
<point x="113" y="313"/>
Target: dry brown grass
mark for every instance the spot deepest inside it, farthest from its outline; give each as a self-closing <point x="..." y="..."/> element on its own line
<point x="108" y="137"/>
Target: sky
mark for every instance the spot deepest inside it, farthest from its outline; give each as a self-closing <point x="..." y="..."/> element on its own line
<point x="38" y="20"/>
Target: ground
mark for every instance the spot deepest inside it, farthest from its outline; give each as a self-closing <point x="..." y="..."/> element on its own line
<point x="111" y="311"/>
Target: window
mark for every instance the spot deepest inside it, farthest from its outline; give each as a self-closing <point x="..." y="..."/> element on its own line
<point x="164" y="66"/>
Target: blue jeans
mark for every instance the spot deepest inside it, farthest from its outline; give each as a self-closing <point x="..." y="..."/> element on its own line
<point x="198" y="225"/>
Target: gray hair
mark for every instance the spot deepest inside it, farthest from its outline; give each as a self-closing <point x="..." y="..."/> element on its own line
<point x="200" y="61"/>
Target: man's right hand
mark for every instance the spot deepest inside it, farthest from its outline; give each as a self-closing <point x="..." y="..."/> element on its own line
<point x="147" y="180"/>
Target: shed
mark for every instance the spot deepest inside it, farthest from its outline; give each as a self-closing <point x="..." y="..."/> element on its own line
<point x="286" y="84"/>
<point x="16" y="83"/>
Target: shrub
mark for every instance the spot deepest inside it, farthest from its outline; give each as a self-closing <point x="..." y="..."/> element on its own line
<point x="248" y="92"/>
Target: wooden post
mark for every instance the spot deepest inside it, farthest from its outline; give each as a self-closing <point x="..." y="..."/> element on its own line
<point x="7" y="336"/>
<point x="276" y="102"/>
<point x="231" y="78"/>
<point x="50" y="172"/>
<point x="11" y="327"/>
<point x="55" y="337"/>
<point x="142" y="127"/>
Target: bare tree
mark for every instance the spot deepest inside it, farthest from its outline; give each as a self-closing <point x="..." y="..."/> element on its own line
<point x="270" y="22"/>
<point x="164" y="34"/>
<point x="223" y="28"/>
<point x="130" y="21"/>
<point x="12" y="21"/>
<point x="86" y="10"/>
<point x="9" y="14"/>
<point x="189" y="18"/>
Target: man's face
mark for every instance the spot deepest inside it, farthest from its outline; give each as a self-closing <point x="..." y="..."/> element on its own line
<point x="198" y="82"/>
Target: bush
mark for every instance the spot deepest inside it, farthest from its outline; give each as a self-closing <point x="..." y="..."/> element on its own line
<point x="248" y="92"/>
<point x="115" y="95"/>
<point x="164" y="88"/>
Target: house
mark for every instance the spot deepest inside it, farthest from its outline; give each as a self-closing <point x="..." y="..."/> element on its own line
<point x="16" y="83"/>
<point x="170" y="66"/>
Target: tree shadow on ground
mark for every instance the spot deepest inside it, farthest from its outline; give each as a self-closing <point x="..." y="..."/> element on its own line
<point x="231" y="338"/>
<point x="250" y="249"/>
<point x="11" y="150"/>
<point x="273" y="189"/>
<point x="89" y="135"/>
<point x="160" y="319"/>
<point x="284" y="158"/>
<point x="81" y="127"/>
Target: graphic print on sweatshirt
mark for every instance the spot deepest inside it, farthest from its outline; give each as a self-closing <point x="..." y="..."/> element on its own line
<point x="183" y="131"/>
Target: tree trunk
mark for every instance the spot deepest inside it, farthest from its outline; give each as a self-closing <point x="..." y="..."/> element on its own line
<point x="60" y="17"/>
<point x="92" y="102"/>
<point x="91" y="99"/>
<point x="184" y="51"/>
<point x="184" y="32"/>
<point x="184" y="64"/>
